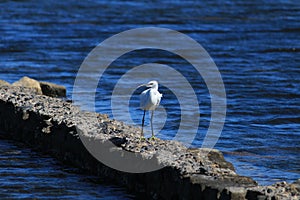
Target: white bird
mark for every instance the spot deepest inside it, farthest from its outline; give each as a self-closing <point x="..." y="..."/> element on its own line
<point x="149" y="100"/>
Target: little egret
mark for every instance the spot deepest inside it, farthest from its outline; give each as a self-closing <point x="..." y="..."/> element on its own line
<point x="149" y="100"/>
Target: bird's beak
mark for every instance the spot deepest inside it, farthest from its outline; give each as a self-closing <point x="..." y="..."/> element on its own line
<point x="143" y="85"/>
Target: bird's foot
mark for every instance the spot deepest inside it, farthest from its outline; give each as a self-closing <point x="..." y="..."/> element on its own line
<point x="153" y="138"/>
<point x="142" y="138"/>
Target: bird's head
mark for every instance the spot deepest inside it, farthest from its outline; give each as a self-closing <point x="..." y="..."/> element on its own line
<point x="151" y="84"/>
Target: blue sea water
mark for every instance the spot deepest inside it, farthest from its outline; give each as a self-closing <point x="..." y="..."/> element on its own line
<point x="25" y="174"/>
<point x="254" y="44"/>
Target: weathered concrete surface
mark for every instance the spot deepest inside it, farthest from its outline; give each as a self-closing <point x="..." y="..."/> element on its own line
<point x="52" y="125"/>
<point x="277" y="191"/>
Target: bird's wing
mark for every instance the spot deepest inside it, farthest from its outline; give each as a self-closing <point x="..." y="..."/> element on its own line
<point x="144" y="99"/>
<point x="159" y="95"/>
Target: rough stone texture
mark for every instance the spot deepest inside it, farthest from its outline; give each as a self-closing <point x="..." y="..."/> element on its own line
<point x="53" y="125"/>
<point x="44" y="88"/>
<point x="277" y="191"/>
<point x="53" y="90"/>
<point x="29" y="83"/>
<point x="3" y="83"/>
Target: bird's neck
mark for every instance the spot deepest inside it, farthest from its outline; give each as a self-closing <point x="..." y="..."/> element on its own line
<point x="154" y="87"/>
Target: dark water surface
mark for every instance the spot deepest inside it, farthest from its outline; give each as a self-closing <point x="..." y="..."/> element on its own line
<point x="254" y="44"/>
<point x="27" y="175"/>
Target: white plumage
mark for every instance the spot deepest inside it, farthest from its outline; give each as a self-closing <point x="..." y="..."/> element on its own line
<point x="149" y="100"/>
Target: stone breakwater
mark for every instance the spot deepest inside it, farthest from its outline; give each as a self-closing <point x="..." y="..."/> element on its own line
<point x="56" y="126"/>
<point x="39" y="87"/>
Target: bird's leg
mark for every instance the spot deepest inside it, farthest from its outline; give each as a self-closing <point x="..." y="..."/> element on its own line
<point x="143" y="121"/>
<point x="152" y="112"/>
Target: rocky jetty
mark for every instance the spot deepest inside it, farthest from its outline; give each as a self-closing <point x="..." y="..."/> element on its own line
<point x="4" y="83"/>
<point x="62" y="129"/>
<point x="38" y="87"/>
